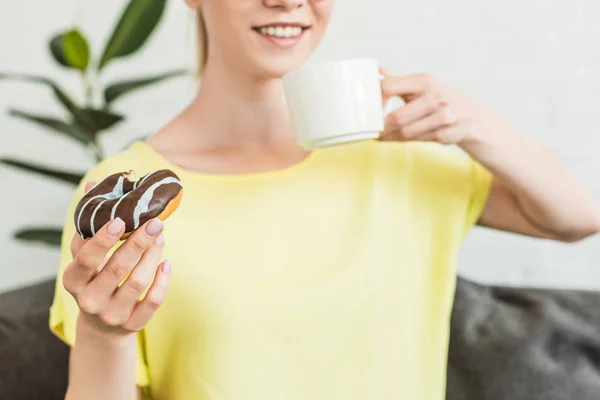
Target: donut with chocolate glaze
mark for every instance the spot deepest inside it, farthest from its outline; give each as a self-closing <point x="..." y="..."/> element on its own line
<point x="156" y="194"/>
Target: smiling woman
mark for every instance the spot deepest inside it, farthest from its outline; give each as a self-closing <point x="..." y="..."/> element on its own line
<point x="297" y="274"/>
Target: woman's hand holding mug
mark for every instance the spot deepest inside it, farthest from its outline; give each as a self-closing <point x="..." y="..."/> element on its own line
<point x="433" y="111"/>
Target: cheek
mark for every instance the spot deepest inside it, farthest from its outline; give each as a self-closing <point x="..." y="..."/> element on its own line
<point x="229" y="24"/>
<point x="230" y="13"/>
<point x="323" y="10"/>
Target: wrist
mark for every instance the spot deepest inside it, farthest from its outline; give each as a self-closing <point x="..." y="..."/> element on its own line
<point x="90" y="330"/>
<point x="483" y="136"/>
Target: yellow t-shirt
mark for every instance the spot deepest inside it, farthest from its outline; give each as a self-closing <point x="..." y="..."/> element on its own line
<point x="329" y="280"/>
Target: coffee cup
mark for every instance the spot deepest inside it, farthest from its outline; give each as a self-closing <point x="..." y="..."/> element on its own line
<point x="335" y="102"/>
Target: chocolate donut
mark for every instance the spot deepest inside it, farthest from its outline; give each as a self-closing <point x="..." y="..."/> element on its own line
<point x="156" y="194"/>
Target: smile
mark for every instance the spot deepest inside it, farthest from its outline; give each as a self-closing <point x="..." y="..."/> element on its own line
<point x="281" y="31"/>
<point x="282" y="34"/>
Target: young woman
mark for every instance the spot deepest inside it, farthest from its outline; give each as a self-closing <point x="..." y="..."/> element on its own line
<point x="295" y="274"/>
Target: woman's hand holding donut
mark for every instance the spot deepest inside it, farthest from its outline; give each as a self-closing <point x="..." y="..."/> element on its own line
<point x="94" y="279"/>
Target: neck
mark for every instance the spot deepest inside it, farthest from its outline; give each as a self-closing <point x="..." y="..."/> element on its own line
<point x="233" y="110"/>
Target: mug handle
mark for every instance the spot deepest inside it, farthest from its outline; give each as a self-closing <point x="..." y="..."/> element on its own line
<point x="386" y="105"/>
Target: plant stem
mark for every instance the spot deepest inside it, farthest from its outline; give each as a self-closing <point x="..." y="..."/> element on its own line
<point x="89" y="90"/>
<point x="97" y="151"/>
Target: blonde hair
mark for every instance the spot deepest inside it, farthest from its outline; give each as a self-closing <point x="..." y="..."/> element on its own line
<point x="202" y="42"/>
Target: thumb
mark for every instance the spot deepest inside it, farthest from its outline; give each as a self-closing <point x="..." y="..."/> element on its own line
<point x="407" y="87"/>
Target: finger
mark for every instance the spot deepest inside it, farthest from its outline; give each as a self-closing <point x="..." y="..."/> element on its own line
<point x="383" y="71"/>
<point x="123" y="260"/>
<point x="89" y="185"/>
<point x="412" y="111"/>
<point x="77" y="243"/>
<point x="445" y="135"/>
<point x="407" y="85"/>
<point x="392" y="136"/>
<point x="124" y="300"/>
<point x="90" y="255"/>
<point x="440" y="119"/>
<point x="145" y="309"/>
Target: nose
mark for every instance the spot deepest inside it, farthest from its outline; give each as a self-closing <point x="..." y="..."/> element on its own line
<point x="287" y="4"/>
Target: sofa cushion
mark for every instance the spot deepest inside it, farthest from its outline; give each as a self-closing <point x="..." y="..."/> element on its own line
<point x="33" y="362"/>
<point x="505" y="344"/>
<point x="524" y="344"/>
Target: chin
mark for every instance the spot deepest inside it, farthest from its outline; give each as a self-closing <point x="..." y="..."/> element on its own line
<point x="278" y="67"/>
<point x="275" y="57"/>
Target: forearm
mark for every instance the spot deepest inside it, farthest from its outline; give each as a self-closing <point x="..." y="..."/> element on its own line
<point x="546" y="193"/>
<point x="101" y="366"/>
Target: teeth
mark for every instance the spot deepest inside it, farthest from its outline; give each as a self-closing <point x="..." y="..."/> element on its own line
<point x="280" y="31"/>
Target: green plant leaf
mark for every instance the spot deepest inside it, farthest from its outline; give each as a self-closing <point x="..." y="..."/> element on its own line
<point x="58" y="92"/>
<point x="47" y="236"/>
<point x="118" y="89"/>
<point x="56" y="49"/>
<point x="64" y="99"/>
<point x="77" y="50"/>
<point x="71" y="49"/>
<point x="102" y="119"/>
<point x="70" y="130"/>
<point x="137" y="22"/>
<point x="64" y="176"/>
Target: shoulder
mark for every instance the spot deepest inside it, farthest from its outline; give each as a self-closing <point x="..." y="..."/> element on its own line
<point x="414" y="158"/>
<point x="421" y="154"/>
<point x="433" y="173"/>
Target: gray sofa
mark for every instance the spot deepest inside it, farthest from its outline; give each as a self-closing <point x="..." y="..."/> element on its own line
<point x="506" y="344"/>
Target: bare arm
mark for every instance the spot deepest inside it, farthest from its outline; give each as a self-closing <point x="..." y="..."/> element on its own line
<point x="101" y="366"/>
<point x="532" y="193"/>
<point x="108" y="291"/>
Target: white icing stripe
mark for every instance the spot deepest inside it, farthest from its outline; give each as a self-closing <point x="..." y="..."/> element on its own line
<point x="114" y="209"/>
<point x="135" y="185"/>
<point x="144" y="201"/>
<point x="94" y="215"/>
<point x="116" y="192"/>
<point x="147" y="176"/>
<point x="83" y="208"/>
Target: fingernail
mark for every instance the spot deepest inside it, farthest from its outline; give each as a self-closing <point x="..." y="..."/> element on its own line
<point x="154" y="227"/>
<point x="166" y="266"/>
<point x="115" y="227"/>
<point x="159" y="240"/>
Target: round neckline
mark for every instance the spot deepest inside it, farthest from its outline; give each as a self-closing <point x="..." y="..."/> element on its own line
<point x="298" y="167"/>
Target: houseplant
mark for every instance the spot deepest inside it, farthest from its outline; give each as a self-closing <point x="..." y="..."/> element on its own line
<point x="87" y="121"/>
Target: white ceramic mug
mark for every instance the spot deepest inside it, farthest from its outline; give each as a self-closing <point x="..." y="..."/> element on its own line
<point x="335" y="102"/>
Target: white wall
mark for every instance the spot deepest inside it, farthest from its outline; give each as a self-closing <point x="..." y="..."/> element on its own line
<point x="535" y="62"/>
